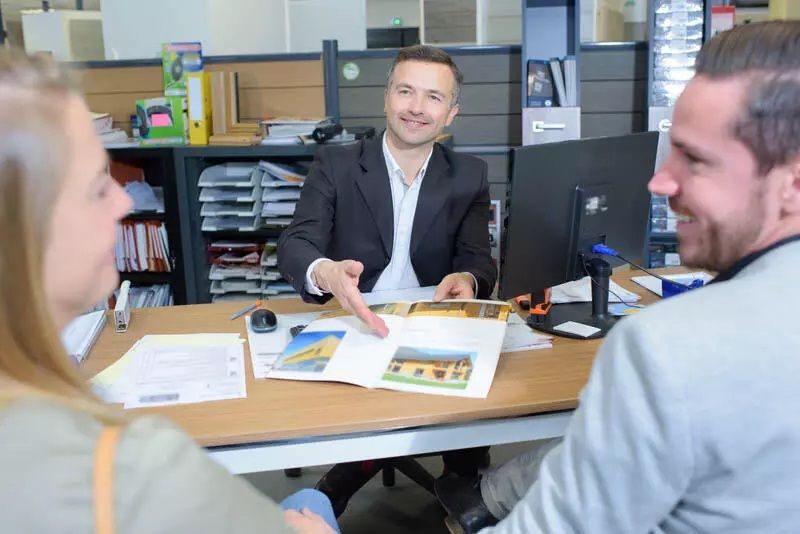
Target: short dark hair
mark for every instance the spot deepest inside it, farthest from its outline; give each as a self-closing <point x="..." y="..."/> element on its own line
<point x="429" y="54"/>
<point x="768" y="53"/>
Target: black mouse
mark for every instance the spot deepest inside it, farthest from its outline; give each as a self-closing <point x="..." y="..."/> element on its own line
<point x="262" y="321"/>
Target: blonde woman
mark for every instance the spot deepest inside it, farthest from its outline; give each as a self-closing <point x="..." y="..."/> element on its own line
<point x="68" y="462"/>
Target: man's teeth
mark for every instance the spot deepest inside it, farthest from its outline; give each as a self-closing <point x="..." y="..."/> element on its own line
<point x="684" y="218"/>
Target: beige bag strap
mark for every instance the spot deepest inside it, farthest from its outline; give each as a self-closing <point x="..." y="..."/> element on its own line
<point x="104" y="480"/>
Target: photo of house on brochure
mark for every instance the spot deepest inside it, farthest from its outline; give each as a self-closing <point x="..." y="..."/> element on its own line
<point x="442" y="348"/>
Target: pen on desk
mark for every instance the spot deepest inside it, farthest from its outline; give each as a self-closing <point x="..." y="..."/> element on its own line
<point x="244" y="310"/>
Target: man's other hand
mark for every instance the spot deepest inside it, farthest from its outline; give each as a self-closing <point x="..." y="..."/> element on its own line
<point x="341" y="279"/>
<point x="455" y="286"/>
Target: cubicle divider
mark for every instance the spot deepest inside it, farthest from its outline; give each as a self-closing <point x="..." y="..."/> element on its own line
<point x="269" y="85"/>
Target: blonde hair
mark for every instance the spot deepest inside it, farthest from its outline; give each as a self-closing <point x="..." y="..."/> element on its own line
<point x="34" y="94"/>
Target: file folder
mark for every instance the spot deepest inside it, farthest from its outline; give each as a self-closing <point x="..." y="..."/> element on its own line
<point x="199" y="95"/>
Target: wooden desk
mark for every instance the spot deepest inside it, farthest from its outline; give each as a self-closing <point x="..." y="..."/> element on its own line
<point x="286" y="423"/>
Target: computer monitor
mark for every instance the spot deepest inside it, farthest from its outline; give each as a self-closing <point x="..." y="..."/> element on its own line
<point x="563" y="199"/>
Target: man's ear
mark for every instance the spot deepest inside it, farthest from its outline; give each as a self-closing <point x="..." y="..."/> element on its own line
<point x="451" y="115"/>
<point x="790" y="188"/>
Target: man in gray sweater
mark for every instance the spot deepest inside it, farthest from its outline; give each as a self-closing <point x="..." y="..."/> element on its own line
<point x="689" y="420"/>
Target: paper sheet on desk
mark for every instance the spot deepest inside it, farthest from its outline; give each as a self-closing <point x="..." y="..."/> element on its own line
<point x="520" y="337"/>
<point x="265" y="348"/>
<point x="183" y="374"/>
<point x="118" y="381"/>
<point x="581" y="291"/>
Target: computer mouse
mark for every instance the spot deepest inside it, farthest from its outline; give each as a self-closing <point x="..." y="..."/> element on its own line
<point x="262" y="321"/>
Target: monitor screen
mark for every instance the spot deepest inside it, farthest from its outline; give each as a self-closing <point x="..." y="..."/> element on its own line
<point x="564" y="197"/>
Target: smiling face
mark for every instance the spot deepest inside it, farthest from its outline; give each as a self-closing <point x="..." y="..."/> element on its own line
<point x="726" y="208"/>
<point x="419" y="102"/>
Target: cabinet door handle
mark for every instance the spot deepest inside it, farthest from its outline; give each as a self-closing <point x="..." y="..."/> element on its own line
<point x="541" y="126"/>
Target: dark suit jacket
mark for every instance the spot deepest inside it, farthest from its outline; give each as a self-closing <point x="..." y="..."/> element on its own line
<point x="345" y="212"/>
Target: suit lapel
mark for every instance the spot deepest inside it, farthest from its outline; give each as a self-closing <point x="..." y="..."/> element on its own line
<point x="433" y="195"/>
<point x="373" y="183"/>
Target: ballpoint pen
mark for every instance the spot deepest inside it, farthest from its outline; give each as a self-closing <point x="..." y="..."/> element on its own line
<point x="246" y="309"/>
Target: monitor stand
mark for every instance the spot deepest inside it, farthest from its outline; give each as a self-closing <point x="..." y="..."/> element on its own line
<point x="592" y="314"/>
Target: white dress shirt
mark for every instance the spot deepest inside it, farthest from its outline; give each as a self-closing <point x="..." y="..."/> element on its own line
<point x="399" y="274"/>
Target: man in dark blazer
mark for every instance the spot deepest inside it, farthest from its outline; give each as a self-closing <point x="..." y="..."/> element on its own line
<point x="395" y="212"/>
<point x="353" y="213"/>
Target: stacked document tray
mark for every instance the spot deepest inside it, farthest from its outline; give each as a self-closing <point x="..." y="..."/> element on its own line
<point x="281" y="185"/>
<point x="245" y="271"/>
<point x="230" y="196"/>
<point x="677" y="38"/>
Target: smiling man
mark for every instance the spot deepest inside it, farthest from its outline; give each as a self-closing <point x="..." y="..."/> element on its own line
<point x="399" y="211"/>
<point x="689" y="420"/>
<point x="396" y="212"/>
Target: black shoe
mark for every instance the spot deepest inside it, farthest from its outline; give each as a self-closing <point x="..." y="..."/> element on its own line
<point x="343" y="480"/>
<point x="461" y="498"/>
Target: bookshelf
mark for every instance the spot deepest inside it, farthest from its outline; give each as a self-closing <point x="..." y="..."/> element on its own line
<point x="158" y="168"/>
<point x="190" y="162"/>
<point x="550" y="29"/>
<point x="676" y="29"/>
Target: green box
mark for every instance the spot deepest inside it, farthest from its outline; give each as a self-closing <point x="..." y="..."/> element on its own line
<point x="177" y="60"/>
<point x="162" y="120"/>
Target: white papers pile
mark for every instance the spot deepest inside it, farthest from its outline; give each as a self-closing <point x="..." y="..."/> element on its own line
<point x="520" y="337"/>
<point x="152" y="296"/>
<point x="146" y="198"/>
<point x="581" y="291"/>
<point x="281" y="190"/>
<point x="80" y="335"/>
<point x="289" y="129"/>
<point x="164" y="370"/>
<point x="231" y="197"/>
<point x="265" y="348"/>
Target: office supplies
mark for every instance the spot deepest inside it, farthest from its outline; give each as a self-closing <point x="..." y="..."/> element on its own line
<point x="178" y="60"/>
<point x="246" y="309"/>
<point x="581" y="291"/>
<point x="175" y="369"/>
<point x="656" y="285"/>
<point x="442" y="348"/>
<point x="199" y="101"/>
<point x="162" y="120"/>
<point x="81" y="333"/>
<point x="122" y="311"/>
<point x="558" y="81"/>
<point x="293" y="331"/>
<point x="604" y="201"/>
<point x="263" y="321"/>
<point x="519" y="337"/>
<point x="540" y="84"/>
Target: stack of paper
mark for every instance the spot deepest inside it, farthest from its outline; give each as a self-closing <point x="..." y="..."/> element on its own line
<point x="231" y="197"/>
<point x="281" y="191"/>
<point x="152" y="296"/>
<point x="142" y="246"/>
<point x="81" y="333"/>
<point x="145" y="198"/>
<point x="175" y="369"/>
<point x="581" y="291"/>
<point x="653" y="284"/>
<point x="520" y="337"/>
<point x="287" y="130"/>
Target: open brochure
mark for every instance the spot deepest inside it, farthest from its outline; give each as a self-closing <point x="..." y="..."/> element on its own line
<point x="442" y="348"/>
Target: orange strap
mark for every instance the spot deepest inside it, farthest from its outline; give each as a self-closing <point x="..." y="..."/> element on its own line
<point x="104" y="480"/>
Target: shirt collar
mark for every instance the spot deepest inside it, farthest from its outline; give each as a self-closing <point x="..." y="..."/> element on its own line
<point x="739" y="266"/>
<point x="395" y="170"/>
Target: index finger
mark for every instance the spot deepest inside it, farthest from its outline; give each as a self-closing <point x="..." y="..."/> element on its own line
<point x="362" y="311"/>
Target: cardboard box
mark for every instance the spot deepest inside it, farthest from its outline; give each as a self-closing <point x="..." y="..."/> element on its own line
<point x="178" y="60"/>
<point x="162" y="120"/>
